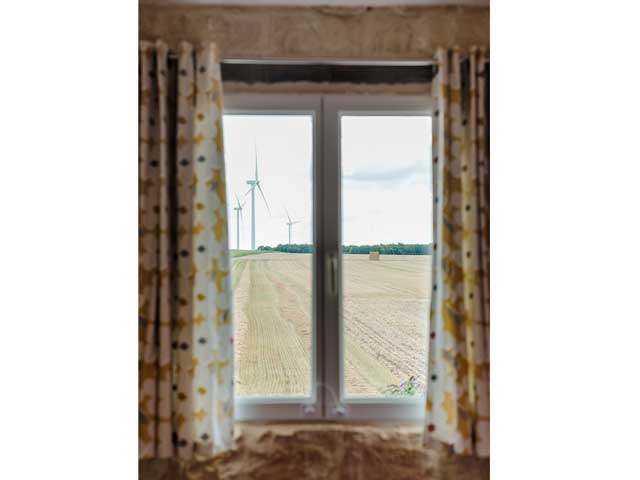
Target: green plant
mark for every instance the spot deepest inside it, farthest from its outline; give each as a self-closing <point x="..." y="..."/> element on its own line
<point x="408" y="387"/>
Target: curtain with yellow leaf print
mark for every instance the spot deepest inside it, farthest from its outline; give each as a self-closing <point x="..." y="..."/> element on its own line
<point x="185" y="331"/>
<point x="457" y="409"/>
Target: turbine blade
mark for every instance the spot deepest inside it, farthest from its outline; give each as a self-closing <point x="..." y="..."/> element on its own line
<point x="248" y="192"/>
<point x="287" y="212"/>
<point x="297" y="221"/>
<point x="238" y="200"/>
<point x="265" y="199"/>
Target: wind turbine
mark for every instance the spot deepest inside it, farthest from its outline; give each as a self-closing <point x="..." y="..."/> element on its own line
<point x="255" y="182"/>
<point x="290" y="223"/>
<point x="238" y="210"/>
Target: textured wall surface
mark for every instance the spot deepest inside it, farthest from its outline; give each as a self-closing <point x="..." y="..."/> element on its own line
<point x="327" y="452"/>
<point x="381" y="33"/>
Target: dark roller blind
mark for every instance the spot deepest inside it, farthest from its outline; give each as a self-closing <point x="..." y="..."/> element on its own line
<point x="363" y="74"/>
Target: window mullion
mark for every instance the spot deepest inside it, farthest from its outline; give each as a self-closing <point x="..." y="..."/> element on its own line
<point x="331" y="241"/>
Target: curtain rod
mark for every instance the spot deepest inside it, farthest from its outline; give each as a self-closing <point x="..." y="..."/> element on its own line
<point x="328" y="62"/>
<point x="323" y="61"/>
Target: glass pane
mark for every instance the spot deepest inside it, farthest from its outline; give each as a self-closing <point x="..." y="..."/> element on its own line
<point x="386" y="237"/>
<point x="270" y="216"/>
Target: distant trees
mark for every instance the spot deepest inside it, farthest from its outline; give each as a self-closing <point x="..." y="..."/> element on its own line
<point x="290" y="248"/>
<point x="390" y="249"/>
<point x="383" y="248"/>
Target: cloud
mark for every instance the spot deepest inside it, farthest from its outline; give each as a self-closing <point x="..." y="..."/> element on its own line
<point x="394" y="176"/>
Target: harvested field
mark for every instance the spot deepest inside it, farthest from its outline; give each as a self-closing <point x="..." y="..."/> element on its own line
<point x="385" y="310"/>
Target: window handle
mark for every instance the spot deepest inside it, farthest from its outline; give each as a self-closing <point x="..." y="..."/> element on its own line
<point x="332" y="274"/>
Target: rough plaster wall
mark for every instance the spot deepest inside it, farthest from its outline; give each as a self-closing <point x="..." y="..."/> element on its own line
<point x="381" y="33"/>
<point x="326" y="452"/>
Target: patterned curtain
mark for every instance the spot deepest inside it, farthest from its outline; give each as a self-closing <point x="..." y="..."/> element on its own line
<point x="185" y="332"/>
<point x="457" y="409"/>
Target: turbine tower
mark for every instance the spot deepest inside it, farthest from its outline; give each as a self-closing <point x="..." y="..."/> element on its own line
<point x="238" y="210"/>
<point x="255" y="182"/>
<point x="290" y="223"/>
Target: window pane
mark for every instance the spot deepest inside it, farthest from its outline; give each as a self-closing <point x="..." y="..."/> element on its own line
<point x="386" y="237"/>
<point x="272" y="288"/>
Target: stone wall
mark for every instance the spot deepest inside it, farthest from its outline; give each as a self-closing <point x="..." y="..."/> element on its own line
<point x="326" y="452"/>
<point x="376" y="33"/>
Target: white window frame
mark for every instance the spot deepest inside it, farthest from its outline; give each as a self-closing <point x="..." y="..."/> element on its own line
<point x="327" y="401"/>
<point x="283" y="408"/>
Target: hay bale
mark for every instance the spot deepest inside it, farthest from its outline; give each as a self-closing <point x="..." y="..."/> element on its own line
<point x="374" y="256"/>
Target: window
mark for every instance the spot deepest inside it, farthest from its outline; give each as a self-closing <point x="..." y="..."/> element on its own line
<point x="330" y="230"/>
<point x="272" y="290"/>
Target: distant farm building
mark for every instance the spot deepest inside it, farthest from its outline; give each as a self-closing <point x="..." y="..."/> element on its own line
<point x="374" y="256"/>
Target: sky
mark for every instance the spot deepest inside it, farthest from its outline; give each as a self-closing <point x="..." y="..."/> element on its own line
<point x="386" y="178"/>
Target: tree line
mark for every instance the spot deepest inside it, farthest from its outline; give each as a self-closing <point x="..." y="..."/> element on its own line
<point x="383" y="248"/>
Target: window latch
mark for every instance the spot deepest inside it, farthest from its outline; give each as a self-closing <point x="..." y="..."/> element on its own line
<point x="340" y="411"/>
<point x="308" y="409"/>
